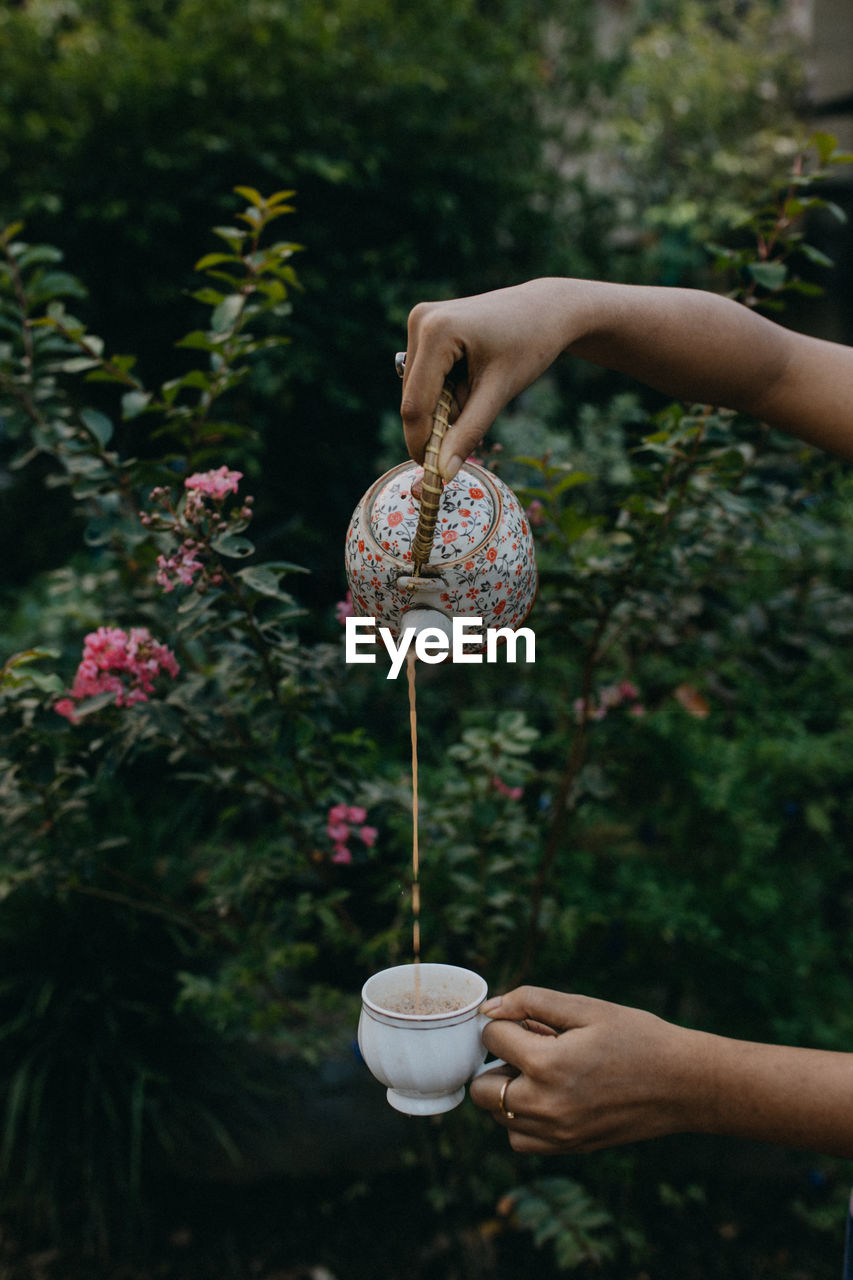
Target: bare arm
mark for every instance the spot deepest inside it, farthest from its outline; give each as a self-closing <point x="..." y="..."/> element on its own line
<point x="595" y="1074"/>
<point x="687" y="343"/>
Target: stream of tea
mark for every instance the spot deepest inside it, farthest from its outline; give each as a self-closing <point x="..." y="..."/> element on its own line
<point x="416" y="883"/>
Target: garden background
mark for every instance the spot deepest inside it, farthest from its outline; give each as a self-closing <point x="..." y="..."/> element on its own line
<point x="206" y="815"/>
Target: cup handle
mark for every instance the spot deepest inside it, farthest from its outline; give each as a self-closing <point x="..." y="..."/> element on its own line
<point x="489" y="1066"/>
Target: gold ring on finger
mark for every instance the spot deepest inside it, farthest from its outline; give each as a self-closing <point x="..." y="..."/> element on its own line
<point x="510" y="1115"/>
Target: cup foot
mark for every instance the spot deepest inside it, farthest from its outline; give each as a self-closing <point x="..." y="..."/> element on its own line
<point x="421" y="1104"/>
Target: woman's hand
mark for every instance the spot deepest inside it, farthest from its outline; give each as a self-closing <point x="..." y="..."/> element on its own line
<point x="494" y="345"/>
<point x="687" y="343"/>
<point x="592" y="1074"/>
<point x="585" y="1074"/>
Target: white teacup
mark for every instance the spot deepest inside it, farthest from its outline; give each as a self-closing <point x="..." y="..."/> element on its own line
<point x="424" y="1042"/>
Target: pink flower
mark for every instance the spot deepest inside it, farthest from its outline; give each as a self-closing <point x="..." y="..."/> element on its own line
<point x="511" y="793"/>
<point x="340" y="821"/>
<point x="178" y="568"/>
<point x="609" y="697"/>
<point x="217" y="484"/>
<point x="122" y="663"/>
<point x="536" y="512"/>
<point x="344" y="608"/>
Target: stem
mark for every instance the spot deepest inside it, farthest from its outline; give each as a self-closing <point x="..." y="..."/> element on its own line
<point x="598" y="647"/>
<point x="24" y="394"/>
<point x="561" y="805"/>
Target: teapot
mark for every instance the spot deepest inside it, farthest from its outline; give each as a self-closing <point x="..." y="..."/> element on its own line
<point x="420" y="552"/>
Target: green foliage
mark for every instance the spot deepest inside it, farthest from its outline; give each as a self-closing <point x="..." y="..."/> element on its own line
<point x="480" y="839"/>
<point x="691" y="155"/>
<point x="560" y="1212"/>
<point x="436" y="150"/>
<point x="657" y="812"/>
<point x="776" y="232"/>
<point x="242" y="747"/>
<point x="413" y="135"/>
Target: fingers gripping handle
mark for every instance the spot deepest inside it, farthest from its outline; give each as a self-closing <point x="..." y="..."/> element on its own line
<point x="489" y="1066"/>
<point x="432" y="482"/>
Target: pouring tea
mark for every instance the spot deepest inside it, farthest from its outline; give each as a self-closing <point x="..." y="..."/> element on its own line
<point x="420" y="552"/>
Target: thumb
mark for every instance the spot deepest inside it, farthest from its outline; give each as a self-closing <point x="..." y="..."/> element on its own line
<point x="555" y="1009"/>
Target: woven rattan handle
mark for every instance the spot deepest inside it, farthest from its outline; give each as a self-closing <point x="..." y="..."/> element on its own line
<point x="432" y="483"/>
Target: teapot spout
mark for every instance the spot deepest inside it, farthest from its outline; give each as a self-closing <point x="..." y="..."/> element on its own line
<point x="425" y="618"/>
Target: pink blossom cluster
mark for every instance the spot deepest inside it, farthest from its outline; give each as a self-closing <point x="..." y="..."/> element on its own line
<point x="344" y="821"/>
<point x="511" y="793"/>
<point x="216" y="484"/>
<point x="536" y="512"/>
<point x="200" y="521"/>
<point x="609" y="697"/>
<point x="179" y="567"/>
<point x="213" y="485"/>
<point x="344" y="609"/>
<point x="119" y="662"/>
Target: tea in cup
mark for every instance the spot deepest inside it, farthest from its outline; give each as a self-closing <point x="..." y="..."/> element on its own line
<point x="421" y="1034"/>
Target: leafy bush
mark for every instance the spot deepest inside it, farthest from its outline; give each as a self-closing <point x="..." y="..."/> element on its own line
<point x="180" y="752"/>
<point x="436" y="150"/>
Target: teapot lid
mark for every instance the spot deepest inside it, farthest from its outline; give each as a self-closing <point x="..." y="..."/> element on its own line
<point x="470" y="509"/>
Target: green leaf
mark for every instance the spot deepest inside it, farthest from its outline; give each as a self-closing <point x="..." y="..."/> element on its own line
<point x="198" y="340"/>
<point x="226" y="315"/>
<point x="133" y="403"/>
<point x="215" y="260"/>
<point x="210" y="297"/>
<point x="770" y="275"/>
<point x="98" y="424"/>
<point x="79" y="364"/>
<point x="570" y="482"/>
<point x="232" y="545"/>
<point x="36" y="254"/>
<point x="232" y="236"/>
<point x="195" y="379"/>
<point x="249" y="193"/>
<point x="537" y="463"/>
<point x="824" y="143"/>
<point x="266" y="578"/>
<point x="816" y="255"/>
<point x="8" y="234"/>
<point x="263" y="579"/>
<point x="115" y="371"/>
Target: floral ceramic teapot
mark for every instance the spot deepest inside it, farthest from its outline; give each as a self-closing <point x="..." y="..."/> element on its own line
<point x="421" y="552"/>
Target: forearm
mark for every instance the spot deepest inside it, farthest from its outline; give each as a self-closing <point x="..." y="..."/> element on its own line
<point x="697" y="346"/>
<point x="689" y="344"/>
<point x="800" y="1098"/>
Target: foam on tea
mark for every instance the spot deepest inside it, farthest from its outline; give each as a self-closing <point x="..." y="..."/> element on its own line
<point x="421" y="1002"/>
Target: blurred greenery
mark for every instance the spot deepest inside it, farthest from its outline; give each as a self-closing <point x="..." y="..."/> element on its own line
<point x="657" y="812"/>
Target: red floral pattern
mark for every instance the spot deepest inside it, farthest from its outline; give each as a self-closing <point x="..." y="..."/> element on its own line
<point x="482" y="548"/>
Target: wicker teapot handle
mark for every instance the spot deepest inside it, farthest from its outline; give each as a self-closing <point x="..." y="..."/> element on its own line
<point x="432" y="482"/>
